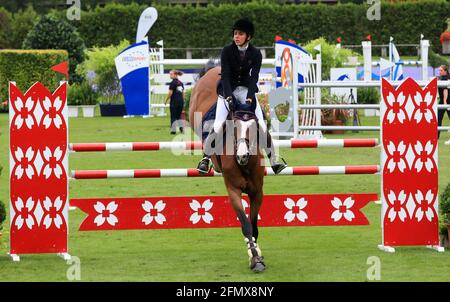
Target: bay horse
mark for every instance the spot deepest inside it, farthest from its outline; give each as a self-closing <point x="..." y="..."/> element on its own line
<point x="243" y="171"/>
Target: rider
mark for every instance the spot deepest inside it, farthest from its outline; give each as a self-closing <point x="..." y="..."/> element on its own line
<point x="240" y="65"/>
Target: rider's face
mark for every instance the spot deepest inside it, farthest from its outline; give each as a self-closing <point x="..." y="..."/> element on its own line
<point x="240" y="37"/>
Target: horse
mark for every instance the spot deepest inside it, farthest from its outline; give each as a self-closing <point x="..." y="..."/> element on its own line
<point x="243" y="171"/>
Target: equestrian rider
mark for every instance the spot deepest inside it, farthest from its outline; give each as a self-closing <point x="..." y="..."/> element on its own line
<point x="240" y="66"/>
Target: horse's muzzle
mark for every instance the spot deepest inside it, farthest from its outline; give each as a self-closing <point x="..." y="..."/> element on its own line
<point x="242" y="160"/>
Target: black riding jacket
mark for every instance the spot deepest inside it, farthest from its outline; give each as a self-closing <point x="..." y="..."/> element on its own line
<point x="237" y="72"/>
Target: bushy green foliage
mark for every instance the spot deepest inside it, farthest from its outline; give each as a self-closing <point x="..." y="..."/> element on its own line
<point x="435" y="60"/>
<point x="5" y="28"/>
<point x="368" y="95"/>
<point x="21" y="23"/>
<point x="81" y="94"/>
<point x="331" y="55"/>
<point x="52" y="32"/>
<point x="444" y="210"/>
<point x="2" y="208"/>
<point x="28" y="66"/>
<point x="101" y="62"/>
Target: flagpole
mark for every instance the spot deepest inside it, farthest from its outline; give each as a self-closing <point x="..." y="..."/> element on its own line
<point x="390" y="57"/>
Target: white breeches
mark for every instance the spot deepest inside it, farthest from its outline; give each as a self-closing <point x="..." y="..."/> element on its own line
<point x="240" y="93"/>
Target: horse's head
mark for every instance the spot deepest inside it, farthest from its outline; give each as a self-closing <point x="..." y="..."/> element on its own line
<point x="246" y="136"/>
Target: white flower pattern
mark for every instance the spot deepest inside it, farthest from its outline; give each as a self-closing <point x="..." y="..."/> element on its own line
<point x="342" y="209"/>
<point x="53" y="212"/>
<point x="424" y="110"/>
<point x="153" y="212"/>
<point x="25" y="214"/>
<point x="201" y="211"/>
<point x="424" y="155"/>
<point x="24" y="113"/>
<point x="425" y="205"/>
<point x="51" y="113"/>
<point x="395" y="110"/>
<point x="397" y="156"/>
<point x="53" y="162"/>
<point x="397" y="205"/>
<point x="295" y="209"/>
<point x="106" y="213"/>
<point x="24" y="163"/>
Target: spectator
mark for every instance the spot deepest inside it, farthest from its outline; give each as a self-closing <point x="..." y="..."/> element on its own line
<point x="176" y="96"/>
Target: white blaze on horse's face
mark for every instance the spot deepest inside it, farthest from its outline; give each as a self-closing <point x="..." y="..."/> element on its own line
<point x="242" y="148"/>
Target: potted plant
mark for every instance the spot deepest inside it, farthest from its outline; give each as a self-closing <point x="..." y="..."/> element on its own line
<point x="74" y="99"/>
<point x="444" y="217"/>
<point x="333" y="117"/>
<point x="445" y="39"/>
<point x="82" y="95"/>
<point x="100" y="70"/>
<point x="369" y="95"/>
<point x="89" y="99"/>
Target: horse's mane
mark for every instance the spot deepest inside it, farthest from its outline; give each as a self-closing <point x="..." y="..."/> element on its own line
<point x="212" y="62"/>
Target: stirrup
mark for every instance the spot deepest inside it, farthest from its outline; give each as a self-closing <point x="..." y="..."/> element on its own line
<point x="203" y="166"/>
<point x="278" y="167"/>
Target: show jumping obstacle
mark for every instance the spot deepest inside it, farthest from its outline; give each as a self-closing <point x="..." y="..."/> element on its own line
<point x="39" y="195"/>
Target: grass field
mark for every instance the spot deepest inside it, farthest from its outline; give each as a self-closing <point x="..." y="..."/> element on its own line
<point x="291" y="253"/>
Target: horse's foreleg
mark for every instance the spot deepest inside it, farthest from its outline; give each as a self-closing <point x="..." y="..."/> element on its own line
<point x="256" y="202"/>
<point x="235" y="199"/>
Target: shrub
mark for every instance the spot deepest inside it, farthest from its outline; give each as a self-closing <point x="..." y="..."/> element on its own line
<point x="331" y="55"/>
<point x="28" y="66"/>
<point x="100" y="68"/>
<point x="22" y="22"/>
<point x="444" y="210"/>
<point x="54" y="33"/>
<point x="81" y="94"/>
<point x="435" y="60"/>
<point x="2" y="209"/>
<point x="368" y="95"/>
<point x="5" y="28"/>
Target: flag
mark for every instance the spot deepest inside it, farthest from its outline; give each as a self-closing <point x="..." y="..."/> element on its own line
<point x="278" y="38"/>
<point x="369" y="37"/>
<point x="398" y="69"/>
<point x="62" y="68"/>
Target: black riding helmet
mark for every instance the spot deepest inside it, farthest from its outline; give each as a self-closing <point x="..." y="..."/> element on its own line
<point x="244" y="25"/>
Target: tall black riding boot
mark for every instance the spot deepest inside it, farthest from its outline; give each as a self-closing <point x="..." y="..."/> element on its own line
<point x="203" y="165"/>
<point x="273" y="158"/>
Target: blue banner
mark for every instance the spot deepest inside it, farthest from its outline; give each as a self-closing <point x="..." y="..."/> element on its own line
<point x="132" y="66"/>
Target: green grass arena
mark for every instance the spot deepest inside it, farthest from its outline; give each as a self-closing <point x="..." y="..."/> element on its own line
<point x="291" y="253"/>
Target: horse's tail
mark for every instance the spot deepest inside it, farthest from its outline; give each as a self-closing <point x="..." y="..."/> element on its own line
<point x="212" y="62"/>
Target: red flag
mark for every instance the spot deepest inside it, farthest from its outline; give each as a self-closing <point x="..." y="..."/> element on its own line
<point x="62" y="68"/>
<point x="369" y="37"/>
<point x="292" y="41"/>
<point x="278" y="38"/>
<point x="339" y="39"/>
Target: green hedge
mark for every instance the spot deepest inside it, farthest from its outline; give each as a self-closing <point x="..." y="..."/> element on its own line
<point x="28" y="66"/>
<point x="191" y="26"/>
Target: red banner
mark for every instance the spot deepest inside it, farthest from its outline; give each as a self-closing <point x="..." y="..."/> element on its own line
<point x="216" y="211"/>
<point x="409" y="159"/>
<point x="38" y="170"/>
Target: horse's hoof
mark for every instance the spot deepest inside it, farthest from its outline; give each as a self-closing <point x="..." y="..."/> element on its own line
<point x="257" y="264"/>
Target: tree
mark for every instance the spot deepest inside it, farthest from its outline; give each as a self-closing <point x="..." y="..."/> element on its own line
<point x="22" y="22"/>
<point x="5" y="28"/>
<point x="54" y="33"/>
